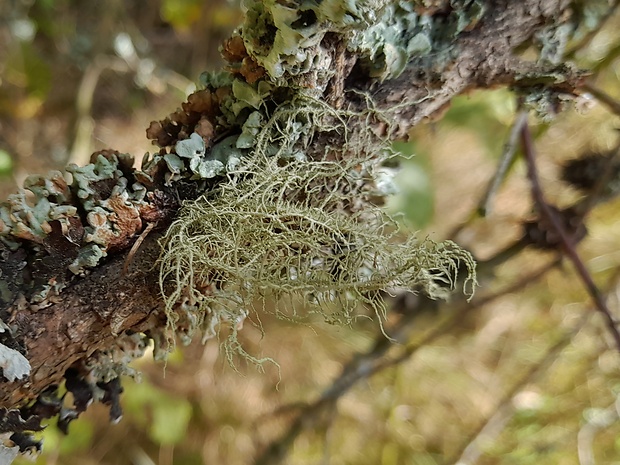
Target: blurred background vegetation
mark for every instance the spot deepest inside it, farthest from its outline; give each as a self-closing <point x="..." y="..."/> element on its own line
<point x="521" y="375"/>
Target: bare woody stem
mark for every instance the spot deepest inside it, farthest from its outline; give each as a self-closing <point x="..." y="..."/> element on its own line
<point x="568" y="244"/>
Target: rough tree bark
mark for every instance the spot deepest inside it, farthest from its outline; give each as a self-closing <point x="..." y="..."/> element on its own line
<point x="84" y="316"/>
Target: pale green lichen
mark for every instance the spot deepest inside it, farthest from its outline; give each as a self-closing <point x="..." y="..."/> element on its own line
<point x="106" y="365"/>
<point x="175" y="165"/>
<point x="74" y="224"/>
<point x="553" y="41"/>
<point x="545" y="102"/>
<point x="388" y="45"/>
<point x="226" y="153"/>
<point x="287" y="38"/>
<point x="248" y="94"/>
<point x="250" y="242"/>
<point x="244" y="99"/>
<point x="88" y="257"/>
<point x="215" y="79"/>
<point x="84" y="176"/>
<point x="25" y="218"/>
<point x="112" y="208"/>
<point x="202" y="166"/>
<point x="53" y="185"/>
<point x="249" y="131"/>
<point x="297" y="227"/>
<point x="290" y="130"/>
<point x="468" y="13"/>
<point x="201" y="163"/>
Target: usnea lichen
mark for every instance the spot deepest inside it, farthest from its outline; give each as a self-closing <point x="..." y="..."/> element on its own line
<point x="290" y="224"/>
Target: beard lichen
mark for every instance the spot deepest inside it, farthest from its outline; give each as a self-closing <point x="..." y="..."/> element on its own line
<point x="292" y="224"/>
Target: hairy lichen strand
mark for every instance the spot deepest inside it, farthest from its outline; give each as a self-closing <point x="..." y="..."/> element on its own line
<point x="282" y="225"/>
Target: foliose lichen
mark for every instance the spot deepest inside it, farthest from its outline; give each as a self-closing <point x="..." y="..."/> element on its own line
<point x="111" y="206"/>
<point x="14" y="365"/>
<point x="106" y="365"/>
<point x="29" y="220"/>
<point x="553" y="41"/>
<point x="398" y="34"/>
<point x="73" y="226"/>
<point x="287" y="39"/>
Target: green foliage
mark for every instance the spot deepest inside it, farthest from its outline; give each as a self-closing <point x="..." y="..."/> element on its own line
<point x="182" y="14"/>
<point x="27" y="69"/>
<point x="165" y="416"/>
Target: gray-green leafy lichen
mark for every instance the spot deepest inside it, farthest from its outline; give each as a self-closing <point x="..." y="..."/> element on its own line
<point x="553" y="41"/>
<point x="288" y="38"/>
<point x="548" y="90"/>
<point x="106" y="365"/>
<point x="72" y="226"/>
<point x="112" y="208"/>
<point x="29" y="219"/>
<point x="467" y="13"/>
<point x="222" y="157"/>
<point x="388" y="45"/>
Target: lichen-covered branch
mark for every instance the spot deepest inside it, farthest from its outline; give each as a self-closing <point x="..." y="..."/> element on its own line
<point x="285" y="155"/>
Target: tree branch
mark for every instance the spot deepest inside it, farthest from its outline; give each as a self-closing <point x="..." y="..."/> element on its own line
<point x="62" y="319"/>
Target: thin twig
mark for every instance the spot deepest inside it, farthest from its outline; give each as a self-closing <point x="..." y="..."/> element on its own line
<point x="483" y="207"/>
<point x="611" y="103"/>
<point x="136" y="246"/>
<point x="568" y="243"/>
<point x="506" y="159"/>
